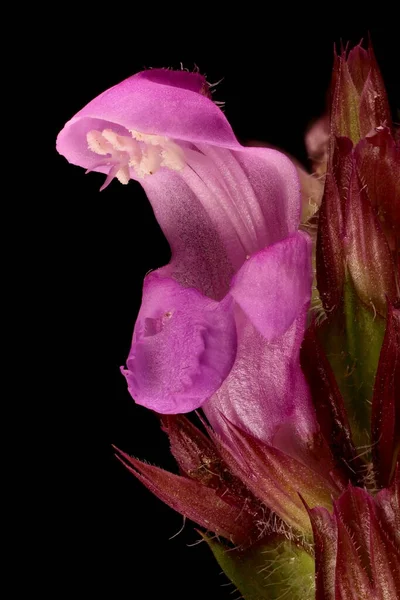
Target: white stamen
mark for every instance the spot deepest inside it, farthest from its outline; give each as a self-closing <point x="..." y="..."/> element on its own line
<point x="122" y="143"/>
<point x="149" y="138"/>
<point x="123" y="175"/>
<point x="151" y="161"/>
<point x="97" y="143"/>
<point x="143" y="152"/>
<point x="173" y="157"/>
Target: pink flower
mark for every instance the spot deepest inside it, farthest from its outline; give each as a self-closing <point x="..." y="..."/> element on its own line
<point x="220" y="328"/>
<point x="238" y="284"/>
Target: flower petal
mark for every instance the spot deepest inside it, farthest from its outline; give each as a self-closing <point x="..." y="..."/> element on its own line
<point x="274" y="285"/>
<point x="265" y="390"/>
<point x="202" y="256"/>
<point x="223" y="206"/>
<point x="162" y="102"/>
<point x="223" y="203"/>
<point x="183" y="347"/>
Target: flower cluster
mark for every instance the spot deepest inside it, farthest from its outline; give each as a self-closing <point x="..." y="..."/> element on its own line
<point x="294" y="453"/>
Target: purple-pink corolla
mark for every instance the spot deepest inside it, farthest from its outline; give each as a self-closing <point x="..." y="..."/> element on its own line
<point x="220" y="326"/>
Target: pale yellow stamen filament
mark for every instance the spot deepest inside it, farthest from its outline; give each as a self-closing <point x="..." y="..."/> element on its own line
<point x="145" y="153"/>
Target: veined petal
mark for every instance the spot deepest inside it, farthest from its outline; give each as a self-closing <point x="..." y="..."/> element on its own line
<point x="213" y="198"/>
<point x="265" y="393"/>
<point x="201" y="255"/>
<point x="222" y="207"/>
<point x="274" y="285"/>
<point x="161" y="102"/>
<point x="183" y="347"/>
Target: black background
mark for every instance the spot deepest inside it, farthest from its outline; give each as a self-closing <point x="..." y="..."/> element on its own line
<point x="109" y="536"/>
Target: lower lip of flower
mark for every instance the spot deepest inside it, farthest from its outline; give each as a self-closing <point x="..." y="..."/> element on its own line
<point x="144" y="153"/>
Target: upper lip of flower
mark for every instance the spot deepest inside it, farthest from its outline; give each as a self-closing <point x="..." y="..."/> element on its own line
<point x="249" y="196"/>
